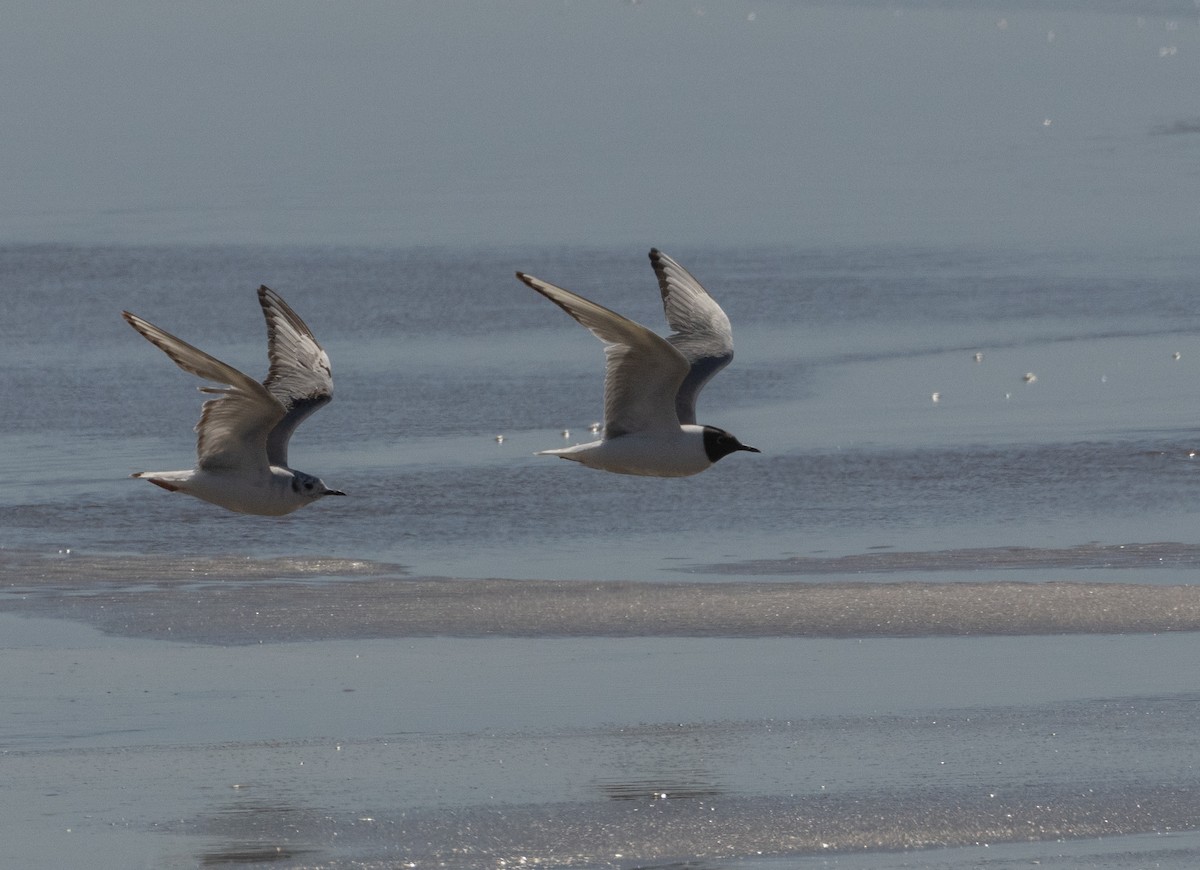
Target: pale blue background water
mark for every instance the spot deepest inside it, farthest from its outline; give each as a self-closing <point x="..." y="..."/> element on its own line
<point x="873" y="192"/>
<point x="982" y="122"/>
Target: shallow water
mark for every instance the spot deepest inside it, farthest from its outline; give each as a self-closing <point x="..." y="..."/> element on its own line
<point x="587" y="752"/>
<point x="856" y="453"/>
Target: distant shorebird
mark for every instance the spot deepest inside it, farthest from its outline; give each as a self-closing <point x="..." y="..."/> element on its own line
<point x="243" y="435"/>
<point x="651" y="383"/>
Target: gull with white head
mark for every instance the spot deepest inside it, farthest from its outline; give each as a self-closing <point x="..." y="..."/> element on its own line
<point x="243" y="435"/>
<point x="651" y="383"/>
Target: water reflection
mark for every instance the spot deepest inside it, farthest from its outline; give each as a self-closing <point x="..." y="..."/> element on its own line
<point x="680" y="785"/>
<point x="257" y="833"/>
<point x="250" y="854"/>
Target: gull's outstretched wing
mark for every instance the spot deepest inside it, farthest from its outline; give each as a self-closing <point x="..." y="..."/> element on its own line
<point x="643" y="373"/>
<point x="299" y="378"/>
<point x="702" y="332"/>
<point x="232" y="432"/>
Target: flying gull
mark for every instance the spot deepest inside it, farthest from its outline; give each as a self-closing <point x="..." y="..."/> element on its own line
<point x="243" y="435"/>
<point x="651" y="383"/>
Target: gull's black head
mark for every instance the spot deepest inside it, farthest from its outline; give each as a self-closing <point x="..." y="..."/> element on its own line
<point x="719" y="443"/>
<point x="311" y="487"/>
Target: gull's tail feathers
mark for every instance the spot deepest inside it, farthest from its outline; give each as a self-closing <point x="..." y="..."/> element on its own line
<point x="171" y="481"/>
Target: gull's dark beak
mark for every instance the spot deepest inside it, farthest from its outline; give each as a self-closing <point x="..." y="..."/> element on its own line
<point x="333" y="492"/>
<point x="748" y="448"/>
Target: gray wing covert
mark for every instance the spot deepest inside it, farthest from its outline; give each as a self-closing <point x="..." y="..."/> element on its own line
<point x="643" y="371"/>
<point x="233" y="429"/>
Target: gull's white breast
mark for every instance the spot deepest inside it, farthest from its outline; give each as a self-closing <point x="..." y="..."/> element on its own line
<point x="656" y="454"/>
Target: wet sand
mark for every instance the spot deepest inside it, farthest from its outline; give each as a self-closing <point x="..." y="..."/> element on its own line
<point x="238" y="601"/>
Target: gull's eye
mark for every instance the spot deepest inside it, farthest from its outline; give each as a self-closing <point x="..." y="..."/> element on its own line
<point x="308" y="485"/>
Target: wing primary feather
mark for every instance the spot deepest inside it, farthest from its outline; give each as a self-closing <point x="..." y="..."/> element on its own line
<point x="300" y="376"/>
<point x="702" y="332"/>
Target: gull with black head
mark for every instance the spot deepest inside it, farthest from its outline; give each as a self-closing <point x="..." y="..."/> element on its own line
<point x="243" y="435"/>
<point x="651" y="383"/>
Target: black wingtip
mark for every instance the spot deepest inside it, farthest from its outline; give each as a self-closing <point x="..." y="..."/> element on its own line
<point x="660" y="272"/>
<point x="136" y="322"/>
<point x="267" y="296"/>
